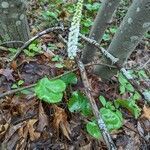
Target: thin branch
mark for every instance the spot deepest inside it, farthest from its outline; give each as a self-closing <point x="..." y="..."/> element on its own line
<point x="33" y="85"/>
<point x="16" y="90"/>
<point x="115" y="62"/>
<point x="145" y="64"/>
<point x="102" y="50"/>
<point x="109" y="142"/>
<point x="2" y="48"/>
<point x="26" y="44"/>
<point x="87" y="87"/>
<point x="11" y="42"/>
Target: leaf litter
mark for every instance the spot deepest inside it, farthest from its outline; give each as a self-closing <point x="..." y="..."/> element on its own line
<point x="30" y="124"/>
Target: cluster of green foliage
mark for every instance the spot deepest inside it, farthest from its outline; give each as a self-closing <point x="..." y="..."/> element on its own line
<point x="58" y="8"/>
<point x="51" y="91"/>
<point x="52" y="15"/>
<point x="33" y="49"/>
<point x="130" y="103"/>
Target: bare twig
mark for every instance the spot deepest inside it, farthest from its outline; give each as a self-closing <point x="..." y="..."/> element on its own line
<point x="87" y="87"/>
<point x="26" y="44"/>
<point x="145" y="64"/>
<point x="3" y="48"/>
<point x="33" y="85"/>
<point x="16" y="90"/>
<point x="11" y="42"/>
<point x="109" y="142"/>
<point x="115" y="62"/>
<point x="102" y="50"/>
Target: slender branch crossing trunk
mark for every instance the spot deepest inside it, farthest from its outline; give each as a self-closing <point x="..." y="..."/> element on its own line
<point x="101" y="22"/>
<point x="13" y="22"/>
<point x="133" y="27"/>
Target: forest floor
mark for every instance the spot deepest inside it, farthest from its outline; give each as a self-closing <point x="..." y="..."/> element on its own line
<point x="28" y="123"/>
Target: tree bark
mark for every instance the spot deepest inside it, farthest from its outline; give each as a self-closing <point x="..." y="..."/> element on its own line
<point x="100" y="24"/>
<point x="13" y="22"/>
<point x="133" y="27"/>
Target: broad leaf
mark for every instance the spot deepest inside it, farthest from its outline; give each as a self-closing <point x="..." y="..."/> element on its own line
<point x="136" y="96"/>
<point x="130" y="105"/>
<point x="78" y="102"/>
<point x="122" y="79"/>
<point x="122" y="89"/>
<point x="70" y="78"/>
<point x="110" y="106"/>
<point x="50" y="91"/>
<point x="111" y="118"/>
<point x="92" y="129"/>
<point x="129" y="87"/>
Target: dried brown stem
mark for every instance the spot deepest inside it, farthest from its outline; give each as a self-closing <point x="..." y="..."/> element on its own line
<point x="115" y="62"/>
<point x="109" y="142"/>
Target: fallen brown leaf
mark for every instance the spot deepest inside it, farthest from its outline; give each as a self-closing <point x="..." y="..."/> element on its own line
<point x="60" y="121"/>
<point x="86" y="147"/>
<point x="146" y="112"/>
<point x="11" y="131"/>
<point x="43" y="120"/>
<point x="7" y="73"/>
<point x="23" y="134"/>
<point x="33" y="134"/>
<point x="14" y="65"/>
<point x="3" y="129"/>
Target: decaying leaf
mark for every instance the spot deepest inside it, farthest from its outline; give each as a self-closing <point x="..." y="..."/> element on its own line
<point x="11" y="131"/>
<point x="43" y="120"/>
<point x="14" y="65"/>
<point x="146" y="112"/>
<point x="3" y="129"/>
<point x="23" y="134"/>
<point x="32" y="133"/>
<point x="60" y="121"/>
<point x="86" y="147"/>
<point x="7" y="73"/>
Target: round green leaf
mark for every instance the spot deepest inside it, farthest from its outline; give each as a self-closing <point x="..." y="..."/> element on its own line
<point x="92" y="129"/>
<point x="47" y="95"/>
<point x="129" y="87"/>
<point x="50" y="91"/>
<point x="130" y="105"/>
<point x="70" y="78"/>
<point x="53" y="85"/>
<point x="78" y="102"/>
<point x="112" y="119"/>
<point x="56" y="85"/>
<point x="122" y="79"/>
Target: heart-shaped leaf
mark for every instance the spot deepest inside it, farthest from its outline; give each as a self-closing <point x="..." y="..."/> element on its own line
<point x="112" y="119"/>
<point x="78" y="102"/>
<point x="92" y="129"/>
<point x="70" y="78"/>
<point x="50" y="90"/>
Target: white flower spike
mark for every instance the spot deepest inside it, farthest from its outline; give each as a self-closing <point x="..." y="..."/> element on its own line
<point x="74" y="31"/>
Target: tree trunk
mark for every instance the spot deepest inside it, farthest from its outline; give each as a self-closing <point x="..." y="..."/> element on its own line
<point x="14" y="27"/>
<point x="100" y="24"/>
<point x="132" y="29"/>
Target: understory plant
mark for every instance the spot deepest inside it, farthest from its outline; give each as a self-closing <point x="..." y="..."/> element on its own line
<point x="51" y="91"/>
